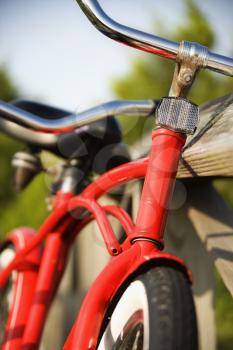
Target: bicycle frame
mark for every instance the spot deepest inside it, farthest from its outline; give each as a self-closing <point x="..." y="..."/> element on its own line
<point x="142" y="246"/>
<point x="144" y="241"/>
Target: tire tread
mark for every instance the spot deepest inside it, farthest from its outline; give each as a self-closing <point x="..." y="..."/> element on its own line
<point x="171" y="309"/>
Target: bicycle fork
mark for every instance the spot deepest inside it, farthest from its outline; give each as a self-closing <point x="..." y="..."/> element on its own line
<point x="158" y="186"/>
<point x="176" y="118"/>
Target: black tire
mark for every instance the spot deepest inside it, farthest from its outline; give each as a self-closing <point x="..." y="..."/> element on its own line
<point x="165" y="320"/>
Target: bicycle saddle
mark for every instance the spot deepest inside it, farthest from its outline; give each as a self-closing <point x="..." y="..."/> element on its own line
<point x="42" y="110"/>
<point x="107" y="131"/>
<point x="85" y="141"/>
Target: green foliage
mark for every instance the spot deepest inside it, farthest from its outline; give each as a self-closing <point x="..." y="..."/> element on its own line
<point x="7" y="90"/>
<point x="195" y="27"/>
<point x="224" y="315"/>
<point x="16" y="209"/>
<point x="224" y="186"/>
<point x="7" y="149"/>
<point x="27" y="209"/>
<point x="224" y="301"/>
<point x="7" y="145"/>
<point x="150" y="76"/>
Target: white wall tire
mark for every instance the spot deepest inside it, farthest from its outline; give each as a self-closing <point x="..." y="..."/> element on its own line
<point x="155" y="312"/>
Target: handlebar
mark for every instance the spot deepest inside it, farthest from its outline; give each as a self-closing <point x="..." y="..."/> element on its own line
<point x="70" y="122"/>
<point x="151" y="43"/>
<point x="21" y="124"/>
<point x="21" y="133"/>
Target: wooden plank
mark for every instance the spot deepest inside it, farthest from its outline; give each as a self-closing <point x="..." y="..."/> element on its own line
<point x="181" y="239"/>
<point x="201" y="232"/>
<point x="209" y="152"/>
<point x="212" y="219"/>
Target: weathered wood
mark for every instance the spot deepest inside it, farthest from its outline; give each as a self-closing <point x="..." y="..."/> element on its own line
<point x="60" y="320"/>
<point x="181" y="239"/>
<point x="209" y="152"/>
<point x="201" y="232"/>
<point x="212" y="219"/>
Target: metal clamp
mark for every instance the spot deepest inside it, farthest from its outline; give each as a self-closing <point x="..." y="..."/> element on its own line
<point x="190" y="58"/>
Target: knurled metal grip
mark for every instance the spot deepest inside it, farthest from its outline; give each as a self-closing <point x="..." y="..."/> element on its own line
<point x="177" y="114"/>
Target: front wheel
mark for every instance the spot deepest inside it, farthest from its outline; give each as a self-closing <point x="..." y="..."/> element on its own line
<point x="155" y="312"/>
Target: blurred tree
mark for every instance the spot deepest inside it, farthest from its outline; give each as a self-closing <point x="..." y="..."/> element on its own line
<point x="8" y="91"/>
<point x="7" y="146"/>
<point x="15" y="208"/>
<point x="150" y="77"/>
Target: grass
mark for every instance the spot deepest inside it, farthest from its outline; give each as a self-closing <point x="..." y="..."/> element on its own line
<point x="224" y="315"/>
<point x="224" y="300"/>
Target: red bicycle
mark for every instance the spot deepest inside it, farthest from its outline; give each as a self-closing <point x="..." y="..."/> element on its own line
<point x="142" y="299"/>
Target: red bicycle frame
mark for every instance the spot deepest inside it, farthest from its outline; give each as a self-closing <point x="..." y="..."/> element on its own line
<point x="145" y="238"/>
<point x="142" y="245"/>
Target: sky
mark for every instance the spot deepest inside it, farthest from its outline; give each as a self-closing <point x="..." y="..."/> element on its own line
<point x="55" y="55"/>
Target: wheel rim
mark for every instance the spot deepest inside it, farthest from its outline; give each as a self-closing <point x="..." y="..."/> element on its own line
<point x="131" y="337"/>
<point x="128" y="326"/>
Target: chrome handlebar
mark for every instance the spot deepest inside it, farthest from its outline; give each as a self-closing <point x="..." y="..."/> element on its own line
<point x="21" y="124"/>
<point x="26" y="119"/>
<point x="151" y="43"/>
<point x="129" y="36"/>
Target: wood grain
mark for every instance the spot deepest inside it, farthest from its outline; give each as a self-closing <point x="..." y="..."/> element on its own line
<point x="209" y="152"/>
<point x="212" y="220"/>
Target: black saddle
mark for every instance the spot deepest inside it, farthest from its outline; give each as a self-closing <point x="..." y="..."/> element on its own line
<point x="42" y="110"/>
<point x="84" y="142"/>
